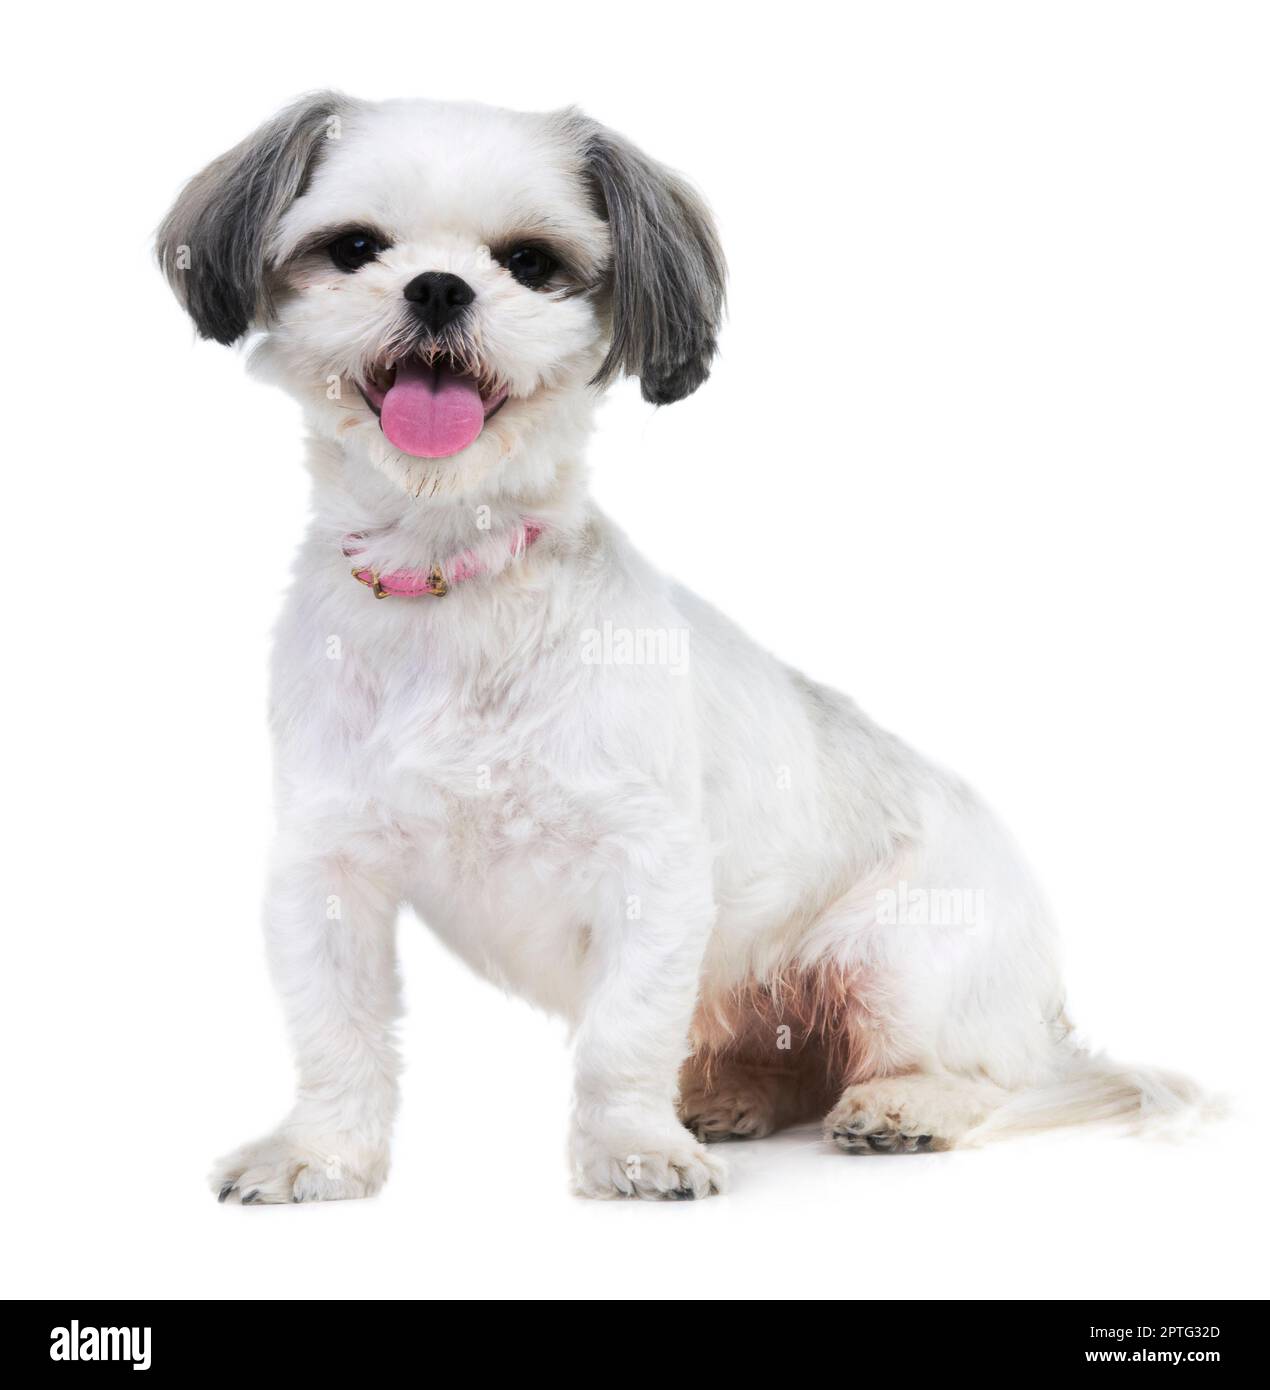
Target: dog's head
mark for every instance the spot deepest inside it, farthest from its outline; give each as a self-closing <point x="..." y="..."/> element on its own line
<point x="445" y="285"/>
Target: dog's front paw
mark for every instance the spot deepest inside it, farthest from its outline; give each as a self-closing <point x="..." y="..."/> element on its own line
<point x="661" y="1163"/>
<point x="285" y="1168"/>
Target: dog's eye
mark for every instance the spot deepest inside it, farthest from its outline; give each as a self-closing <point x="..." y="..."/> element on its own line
<point x="530" y="265"/>
<point x="354" y="249"/>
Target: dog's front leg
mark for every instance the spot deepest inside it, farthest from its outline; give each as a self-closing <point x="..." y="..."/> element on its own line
<point x="330" y="920"/>
<point x="652" y="920"/>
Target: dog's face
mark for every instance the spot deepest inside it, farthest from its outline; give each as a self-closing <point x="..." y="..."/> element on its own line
<point x="443" y="286"/>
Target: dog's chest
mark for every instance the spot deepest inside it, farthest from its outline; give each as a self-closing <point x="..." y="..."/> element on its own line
<point x="500" y="860"/>
<point x="471" y="775"/>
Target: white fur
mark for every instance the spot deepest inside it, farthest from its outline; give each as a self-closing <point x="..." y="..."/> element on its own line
<point x="622" y="844"/>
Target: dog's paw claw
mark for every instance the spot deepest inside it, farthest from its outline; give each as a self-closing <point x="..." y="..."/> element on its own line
<point x="885" y="1141"/>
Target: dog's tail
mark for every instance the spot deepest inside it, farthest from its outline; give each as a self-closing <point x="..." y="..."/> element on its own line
<point x="1094" y="1090"/>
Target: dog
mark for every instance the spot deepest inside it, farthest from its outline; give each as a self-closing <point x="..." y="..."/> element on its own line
<point x="754" y="907"/>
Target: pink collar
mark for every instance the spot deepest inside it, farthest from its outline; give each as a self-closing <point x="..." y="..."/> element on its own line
<point x="436" y="580"/>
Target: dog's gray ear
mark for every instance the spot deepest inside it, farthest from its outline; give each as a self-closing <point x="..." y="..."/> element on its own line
<point x="667" y="278"/>
<point x="212" y="246"/>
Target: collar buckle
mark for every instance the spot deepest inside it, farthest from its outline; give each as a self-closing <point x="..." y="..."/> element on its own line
<point x="435" y="585"/>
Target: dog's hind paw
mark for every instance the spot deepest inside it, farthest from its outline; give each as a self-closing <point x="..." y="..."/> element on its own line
<point x="735" y="1113"/>
<point x="908" y="1114"/>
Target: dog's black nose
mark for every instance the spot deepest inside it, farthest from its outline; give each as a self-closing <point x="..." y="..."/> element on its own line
<point x="438" y="297"/>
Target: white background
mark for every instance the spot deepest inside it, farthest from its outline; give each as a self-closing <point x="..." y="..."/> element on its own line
<point x="986" y="446"/>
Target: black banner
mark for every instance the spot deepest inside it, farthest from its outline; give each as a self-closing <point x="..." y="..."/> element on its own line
<point x="89" y="1339"/>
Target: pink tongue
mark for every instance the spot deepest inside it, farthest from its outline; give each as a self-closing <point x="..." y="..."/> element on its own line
<point x="431" y="412"/>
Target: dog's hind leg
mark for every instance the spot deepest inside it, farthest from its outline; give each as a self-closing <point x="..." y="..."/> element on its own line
<point x="941" y="980"/>
<point x="915" y="1069"/>
<point x="734" y="1097"/>
<point x="907" y="1114"/>
<point x="762" y="1059"/>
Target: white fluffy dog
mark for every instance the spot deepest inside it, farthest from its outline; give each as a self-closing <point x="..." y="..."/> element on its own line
<point x="754" y="906"/>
